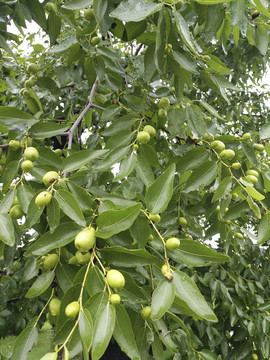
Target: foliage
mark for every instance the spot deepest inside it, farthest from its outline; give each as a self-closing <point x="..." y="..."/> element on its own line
<point x="81" y="100"/>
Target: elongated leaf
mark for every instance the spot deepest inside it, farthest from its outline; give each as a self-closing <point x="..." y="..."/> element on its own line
<point x="77" y="4"/>
<point x="69" y="206"/>
<point x="223" y="188"/>
<point x="50" y="356"/>
<point x="120" y="256"/>
<point x="7" y="230"/>
<point x="7" y="201"/>
<point x="25" y="341"/>
<point x="123" y="333"/>
<point x="195" y="119"/>
<point x="113" y="157"/>
<point x="262" y="9"/>
<point x="40" y="285"/>
<point x="126" y="167"/>
<point x="185" y="62"/>
<point x="10" y="173"/>
<point x="261" y="38"/>
<point x="208" y="355"/>
<point x="162" y="299"/>
<point x="94" y="281"/>
<point x="10" y="116"/>
<point x="164" y="335"/>
<point x="79" y="159"/>
<point x="140" y="230"/>
<point x="103" y="330"/>
<point x="114" y="221"/>
<point x="192" y="159"/>
<point x="86" y="331"/>
<point x="144" y="171"/>
<point x="202" y="176"/>
<point x="53" y="214"/>
<point x="196" y="254"/>
<point x="157" y="348"/>
<point x="254" y="193"/>
<point x="211" y="2"/>
<point x="98" y="301"/>
<point x="25" y="194"/>
<point x="264" y="229"/>
<point x="45" y="130"/>
<point x="132" y="10"/>
<point x="265" y="131"/>
<point x="62" y="235"/>
<point x="4" y="45"/>
<point x="187" y="291"/>
<point x="160" y="192"/>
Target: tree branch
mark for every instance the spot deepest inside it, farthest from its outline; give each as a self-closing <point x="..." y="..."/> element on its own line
<point x="4" y="146"/>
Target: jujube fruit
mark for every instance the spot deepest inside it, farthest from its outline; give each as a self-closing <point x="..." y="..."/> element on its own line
<point x="89" y="14"/>
<point x="234" y="196"/>
<point x="27" y="165"/>
<point x="246" y="137"/>
<point x="143" y="137"/>
<point x="151" y="237"/>
<point x="217" y="145"/>
<point x="252" y="172"/>
<point x="162" y="113"/>
<point x="135" y="147"/>
<point x="182" y="221"/>
<point x="239" y="235"/>
<point x="31" y="153"/>
<point x="236" y="166"/>
<point x="259" y="147"/>
<point x="15" y="201"/>
<point x="95" y="40"/>
<point x="164" y="102"/>
<point x="14" y="145"/>
<point x="155" y="218"/>
<point x="54" y="306"/>
<point x="227" y="154"/>
<point x="32" y="68"/>
<point x="146" y="312"/>
<point x="29" y="83"/>
<point x="73" y="261"/>
<point x="252" y="179"/>
<point x="172" y="243"/>
<point x="115" y="299"/>
<point x="150" y="129"/>
<point x="72" y="310"/>
<point x="50" y="177"/>
<point x="255" y="357"/>
<point x="82" y="258"/>
<point x="43" y="198"/>
<point x="164" y="269"/>
<point x="58" y="152"/>
<point x="16" y="212"/>
<point x="50" y="261"/>
<point x="115" y="279"/>
<point x="86" y="239"/>
<point x="50" y="7"/>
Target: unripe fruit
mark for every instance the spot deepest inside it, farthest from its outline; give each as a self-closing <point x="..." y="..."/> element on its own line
<point x="16" y="212"/>
<point x="246" y="137"/>
<point x="168" y="276"/>
<point x="252" y="172"/>
<point x="252" y="179"/>
<point x="50" y="261"/>
<point x="236" y="166"/>
<point x="26" y="93"/>
<point x="58" y="152"/>
<point x="182" y="221"/>
<point x="27" y="165"/>
<point x="151" y="237"/>
<point x="86" y="239"/>
<point x="227" y="154"/>
<point x="217" y="145"/>
<point x="50" y="7"/>
<point x="259" y="147"/>
<point x="143" y="137"/>
<point x="255" y="357"/>
<point x="14" y="145"/>
<point x="72" y="310"/>
<point x="164" y="102"/>
<point x="135" y="147"/>
<point x="168" y="48"/>
<point x="43" y="198"/>
<point x="27" y="141"/>
<point x="89" y="14"/>
<point x="82" y="258"/>
<point x="29" y="83"/>
<point x="73" y="261"/>
<point x="234" y="196"/>
<point x="32" y="68"/>
<point x="162" y="113"/>
<point x="15" y="201"/>
<point x="146" y="312"/>
<point x="115" y="279"/>
<point x="164" y="269"/>
<point x="172" y="243"/>
<point x="239" y="235"/>
<point x="150" y="129"/>
<point x="54" y="306"/>
<point x="115" y="299"/>
<point x="155" y="218"/>
<point x="50" y="177"/>
<point x="31" y="153"/>
<point x="95" y="40"/>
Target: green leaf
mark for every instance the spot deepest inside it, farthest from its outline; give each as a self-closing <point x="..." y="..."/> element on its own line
<point x="236" y="210"/>
<point x="195" y="254"/>
<point x="254" y="207"/>
<point x="94" y="281"/>
<point x="185" y="61"/>
<point x="192" y="159"/>
<point x="86" y="331"/>
<point x="195" y="119"/>
<point x="223" y="189"/>
<point x="262" y="9"/>
<point x="82" y="196"/>
<point x="140" y="230"/>
<point x="10" y="173"/>
<point x="122" y="123"/>
<point x="65" y="275"/>
<point x="33" y="214"/>
<point x="7" y="234"/>
<point x="53" y="214"/>
<point x="187" y="291"/>
<point x="250" y="153"/>
<point x="30" y="269"/>
<point x="211" y="2"/>
<point x="112" y="158"/>
<point x="7" y="201"/>
<point x="25" y="194"/>
<point x="132" y="10"/>
<point x="120" y="256"/>
<point x="254" y="193"/>
<point x="144" y="171"/>
<point x="162" y="298"/>
<point x="62" y="235"/>
<point x="202" y="176"/>
<point x="50" y="356"/>
<point x="98" y="301"/>
<point x="114" y="221"/>
<point x="164" y="335"/>
<point x="210" y="109"/>
<point x="38" y="13"/>
<point x="159" y="194"/>
<point x="25" y="341"/>
<point x="79" y="159"/>
<point x="69" y="206"/>
<point x="264" y="229"/>
<point x="123" y="333"/>
<point x="208" y="355"/>
<point x="43" y="130"/>
<point x="103" y="330"/>
<point x="54" y="27"/>
<point x="261" y="38"/>
<point x="40" y="285"/>
<point x="77" y="4"/>
<point x="265" y="131"/>
<point x="157" y="349"/>
<point x="4" y="45"/>
<point x="126" y="167"/>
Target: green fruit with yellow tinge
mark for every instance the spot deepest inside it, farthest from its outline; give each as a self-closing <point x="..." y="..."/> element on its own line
<point x="251" y="178"/>
<point x="246" y="137"/>
<point x="43" y="198"/>
<point x="182" y="221"/>
<point x="95" y="40"/>
<point x="151" y="130"/>
<point x="236" y="166"/>
<point x="155" y="218"/>
<point x="255" y="357"/>
<point x="82" y="258"/>
<point x="227" y="154"/>
<point x="85" y="240"/>
<point x="146" y="312"/>
<point x="143" y="137"/>
<point x="16" y="212"/>
<point x="72" y="310"/>
<point x="172" y="243"/>
<point x="73" y="260"/>
<point x="50" y="177"/>
<point x="27" y="165"/>
<point x="58" y="152"/>
<point x="54" y="306"/>
<point x="151" y="237"/>
<point x="252" y="172"/>
<point x="15" y="201"/>
<point x="239" y="235"/>
<point x="31" y="153"/>
<point x="115" y="279"/>
<point x="259" y="147"/>
<point x="165" y="269"/>
<point x="115" y="299"/>
<point x="135" y="147"/>
<point x="50" y="261"/>
<point x="32" y="68"/>
<point x="29" y="83"/>
<point x="89" y="14"/>
<point x="162" y="113"/>
<point x="164" y="103"/>
<point x="50" y="7"/>
<point x="234" y="196"/>
<point x="14" y="145"/>
<point x="217" y="145"/>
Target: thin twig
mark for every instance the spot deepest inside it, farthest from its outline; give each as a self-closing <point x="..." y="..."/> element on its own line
<point x="4" y="146"/>
<point x="98" y="107"/>
<point x="138" y="50"/>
